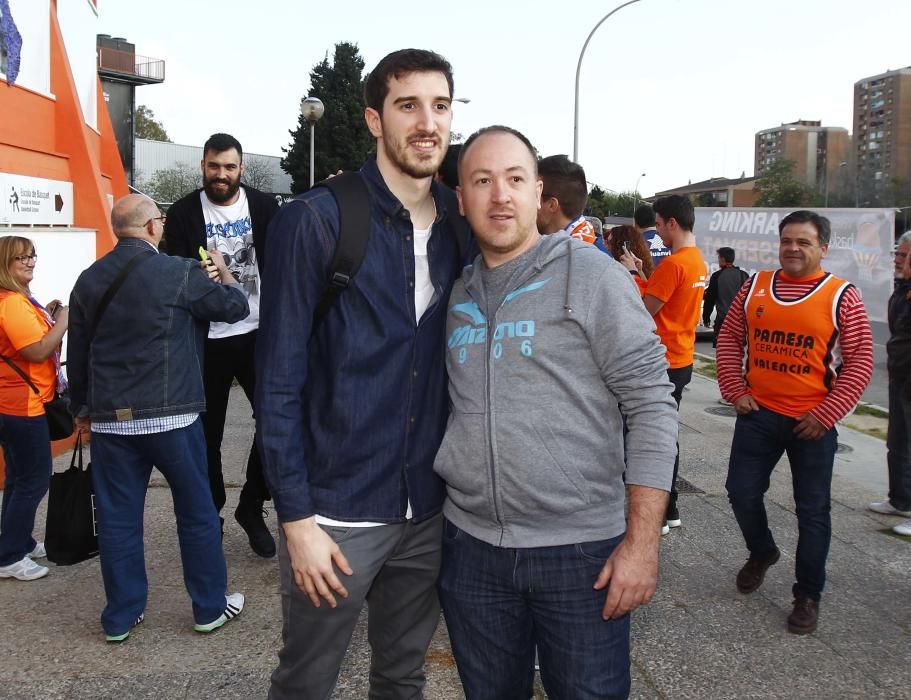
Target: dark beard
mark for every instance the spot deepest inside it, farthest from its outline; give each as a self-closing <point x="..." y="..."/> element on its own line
<point x="217" y="197"/>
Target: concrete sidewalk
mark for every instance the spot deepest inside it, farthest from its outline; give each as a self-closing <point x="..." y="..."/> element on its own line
<point x="698" y="639"/>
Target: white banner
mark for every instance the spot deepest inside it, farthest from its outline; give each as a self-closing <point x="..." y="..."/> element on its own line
<point x="860" y="249"/>
<point x="36" y="201"/>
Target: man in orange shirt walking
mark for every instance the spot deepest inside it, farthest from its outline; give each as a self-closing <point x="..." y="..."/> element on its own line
<point x="673" y="296"/>
<point x="809" y="356"/>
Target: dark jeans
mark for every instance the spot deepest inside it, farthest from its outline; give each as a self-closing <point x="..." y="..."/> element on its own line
<point x="898" y="444"/>
<point x="500" y="603"/>
<point x="121" y="466"/>
<point x="760" y="438"/>
<point x="27" y="451"/>
<point x="225" y="359"/>
<point x="679" y="377"/>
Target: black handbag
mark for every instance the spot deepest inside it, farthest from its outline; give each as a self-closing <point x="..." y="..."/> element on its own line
<point x="57" y="410"/>
<point x="71" y="532"/>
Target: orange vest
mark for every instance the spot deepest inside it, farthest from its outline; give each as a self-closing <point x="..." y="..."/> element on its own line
<point x="792" y="349"/>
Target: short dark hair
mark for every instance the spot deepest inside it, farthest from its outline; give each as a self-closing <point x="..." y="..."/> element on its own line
<point x="644" y="216"/>
<point x="219" y="143"/>
<point x="498" y="128"/>
<point x="397" y="64"/>
<point x="805" y="216"/>
<point x="726" y="254"/>
<point x="676" y="207"/>
<point x="564" y="180"/>
<point x="449" y="168"/>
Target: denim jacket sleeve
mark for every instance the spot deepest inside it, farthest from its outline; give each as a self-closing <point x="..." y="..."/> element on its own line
<point x="299" y="248"/>
<point x="77" y="357"/>
<point x="212" y="301"/>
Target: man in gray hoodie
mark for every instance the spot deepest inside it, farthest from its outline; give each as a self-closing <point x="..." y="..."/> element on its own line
<point x="549" y="349"/>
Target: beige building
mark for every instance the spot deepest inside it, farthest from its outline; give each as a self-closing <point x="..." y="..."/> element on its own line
<point x="716" y="192"/>
<point x="882" y="136"/>
<point x="820" y="153"/>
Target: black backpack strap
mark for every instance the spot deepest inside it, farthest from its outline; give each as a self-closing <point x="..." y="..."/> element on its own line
<point x="353" y="201"/>
<point x="115" y="285"/>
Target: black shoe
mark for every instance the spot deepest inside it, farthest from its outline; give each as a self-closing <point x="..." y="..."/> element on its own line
<point x="804" y="617"/>
<point x="250" y="518"/>
<point x="750" y="576"/>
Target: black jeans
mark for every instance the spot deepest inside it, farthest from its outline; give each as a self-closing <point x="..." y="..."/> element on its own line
<point x="679" y="377"/>
<point x="225" y="359"/>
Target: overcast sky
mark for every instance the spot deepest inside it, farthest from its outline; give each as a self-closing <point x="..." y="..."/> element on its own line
<point x="674" y="89"/>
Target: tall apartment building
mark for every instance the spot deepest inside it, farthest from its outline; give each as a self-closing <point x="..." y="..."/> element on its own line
<point x="882" y="134"/>
<point x="817" y="151"/>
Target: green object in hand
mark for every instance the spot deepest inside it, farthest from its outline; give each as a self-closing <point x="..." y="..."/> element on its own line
<point x="203" y="255"/>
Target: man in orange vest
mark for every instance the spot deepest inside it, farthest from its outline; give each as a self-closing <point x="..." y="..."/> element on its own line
<point x="809" y="357"/>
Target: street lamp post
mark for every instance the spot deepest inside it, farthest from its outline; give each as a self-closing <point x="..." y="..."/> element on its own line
<point x="578" y="71"/>
<point x="312" y="109"/>
<point x="636" y="192"/>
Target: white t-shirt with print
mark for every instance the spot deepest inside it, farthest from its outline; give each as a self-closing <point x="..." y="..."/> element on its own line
<point x="229" y="229"/>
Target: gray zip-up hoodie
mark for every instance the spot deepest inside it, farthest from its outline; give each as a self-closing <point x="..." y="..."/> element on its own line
<point x="534" y="451"/>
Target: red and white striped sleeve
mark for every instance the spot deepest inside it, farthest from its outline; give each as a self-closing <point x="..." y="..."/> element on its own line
<point x="731" y="348"/>
<point x="856" y="341"/>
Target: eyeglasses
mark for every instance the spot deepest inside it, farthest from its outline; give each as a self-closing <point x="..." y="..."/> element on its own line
<point x="25" y="258"/>
<point x="155" y="218"/>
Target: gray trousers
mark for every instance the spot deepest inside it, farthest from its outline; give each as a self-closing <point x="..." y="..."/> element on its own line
<point x="395" y="572"/>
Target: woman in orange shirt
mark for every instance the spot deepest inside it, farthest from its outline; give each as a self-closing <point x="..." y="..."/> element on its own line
<point x="30" y="336"/>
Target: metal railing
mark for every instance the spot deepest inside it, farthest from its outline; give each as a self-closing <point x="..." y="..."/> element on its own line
<point x="129" y="63"/>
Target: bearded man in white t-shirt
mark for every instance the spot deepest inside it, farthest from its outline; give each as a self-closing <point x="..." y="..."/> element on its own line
<point x="232" y="218"/>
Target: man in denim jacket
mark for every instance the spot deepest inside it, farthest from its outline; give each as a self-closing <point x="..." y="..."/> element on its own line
<point x="135" y="382"/>
<point x="351" y="411"/>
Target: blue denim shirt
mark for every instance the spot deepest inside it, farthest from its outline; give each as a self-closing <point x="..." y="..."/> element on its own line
<point x="350" y="419"/>
<point x="146" y="358"/>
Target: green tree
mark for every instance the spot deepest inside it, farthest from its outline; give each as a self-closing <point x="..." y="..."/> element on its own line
<point x="168" y="185"/>
<point x="342" y="141"/>
<point x="603" y="204"/>
<point x="779" y="188"/>
<point x="147" y="127"/>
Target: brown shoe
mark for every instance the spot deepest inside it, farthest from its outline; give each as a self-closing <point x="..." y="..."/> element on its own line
<point x="804" y="617"/>
<point x="749" y="578"/>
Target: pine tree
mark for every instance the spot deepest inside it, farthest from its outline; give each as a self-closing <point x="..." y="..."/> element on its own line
<point x="342" y="141"/>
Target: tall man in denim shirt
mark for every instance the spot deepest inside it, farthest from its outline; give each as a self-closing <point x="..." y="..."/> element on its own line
<point x="351" y="412"/>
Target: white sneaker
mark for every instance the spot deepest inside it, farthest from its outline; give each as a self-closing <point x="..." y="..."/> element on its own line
<point x="234" y="606"/>
<point x="665" y="528"/>
<point x="24" y="570"/>
<point x="39" y="552"/>
<point x="903" y="528"/>
<point x="886" y="508"/>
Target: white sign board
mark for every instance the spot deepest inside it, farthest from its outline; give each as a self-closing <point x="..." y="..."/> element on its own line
<point x="36" y="201"/>
<point x="860" y="249"/>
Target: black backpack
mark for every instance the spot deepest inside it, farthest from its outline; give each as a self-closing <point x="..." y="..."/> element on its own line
<point x="353" y="201"/>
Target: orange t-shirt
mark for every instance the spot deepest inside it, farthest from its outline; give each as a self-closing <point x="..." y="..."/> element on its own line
<point x="679" y="281"/>
<point x="21" y="325"/>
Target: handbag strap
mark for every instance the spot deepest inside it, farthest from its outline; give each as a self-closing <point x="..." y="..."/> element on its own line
<point x="20" y="373"/>
<point x="77" y="449"/>
<point x="115" y="286"/>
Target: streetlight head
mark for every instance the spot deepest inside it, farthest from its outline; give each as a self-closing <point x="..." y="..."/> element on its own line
<point x="312" y="109"/>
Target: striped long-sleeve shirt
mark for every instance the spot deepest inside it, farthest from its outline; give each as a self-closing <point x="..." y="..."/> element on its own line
<point x="855" y="338"/>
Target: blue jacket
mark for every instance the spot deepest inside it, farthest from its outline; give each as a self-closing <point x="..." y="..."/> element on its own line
<point x="146" y="358"/>
<point x="349" y="418"/>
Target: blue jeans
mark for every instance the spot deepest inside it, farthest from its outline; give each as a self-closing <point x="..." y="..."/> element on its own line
<point x="121" y="467"/>
<point x="500" y="603"/>
<point x="27" y="451"/>
<point x="898" y="444"/>
<point x="760" y="438"/>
